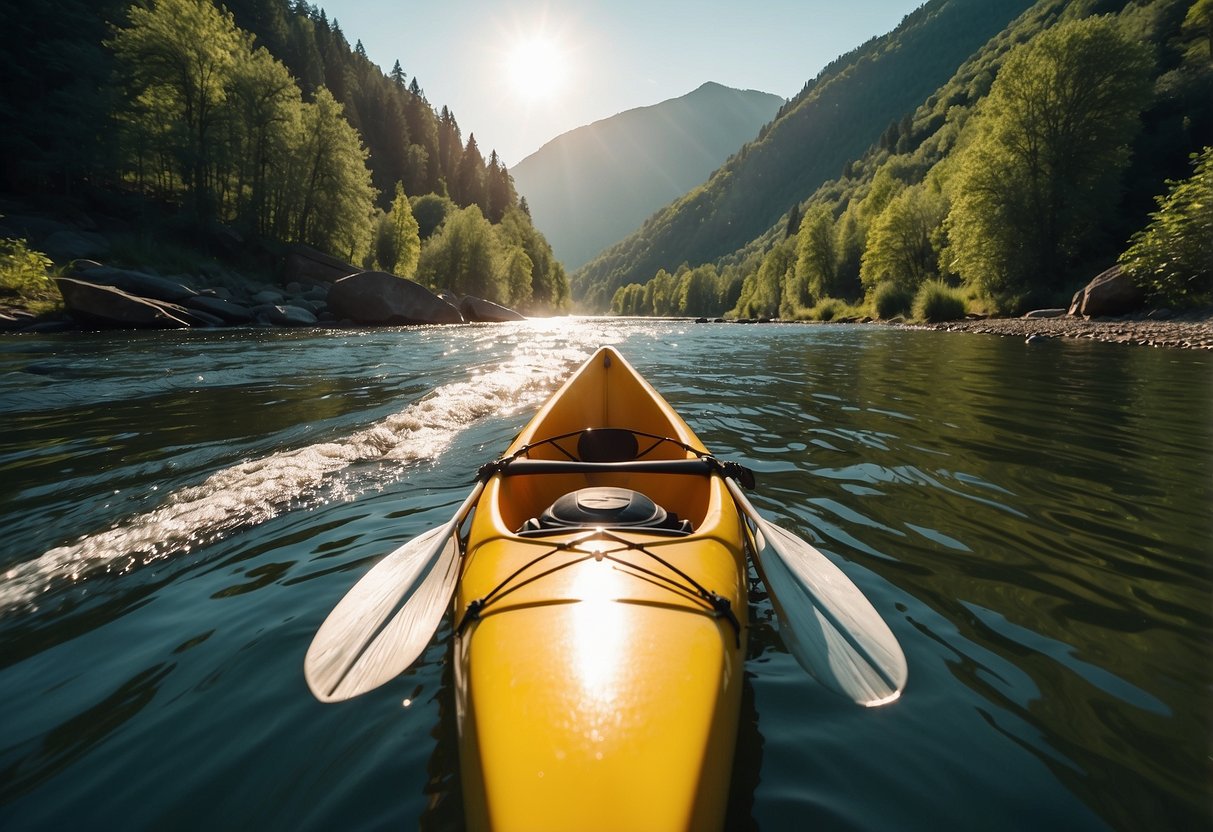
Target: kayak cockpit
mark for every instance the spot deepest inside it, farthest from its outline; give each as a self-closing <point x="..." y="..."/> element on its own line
<point x="605" y="508"/>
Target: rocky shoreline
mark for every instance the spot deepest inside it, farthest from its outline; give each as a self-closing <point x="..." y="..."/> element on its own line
<point x="1192" y="330"/>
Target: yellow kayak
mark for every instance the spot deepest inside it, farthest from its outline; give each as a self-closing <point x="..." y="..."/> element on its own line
<point x="601" y="620"/>
<point x="600" y="617"/>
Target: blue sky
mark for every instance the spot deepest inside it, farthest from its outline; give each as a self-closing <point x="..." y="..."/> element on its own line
<point x="519" y="73"/>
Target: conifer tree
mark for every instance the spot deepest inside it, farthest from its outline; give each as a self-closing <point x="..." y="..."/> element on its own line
<point x="469" y="176"/>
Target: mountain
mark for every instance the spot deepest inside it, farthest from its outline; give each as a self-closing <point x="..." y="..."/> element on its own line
<point x="1085" y="110"/>
<point x="832" y="121"/>
<point x="590" y="187"/>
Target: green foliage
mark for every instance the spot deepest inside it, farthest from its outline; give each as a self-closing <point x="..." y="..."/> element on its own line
<point x="827" y="309"/>
<point x="1172" y="257"/>
<point x="24" y="272"/>
<point x="900" y="246"/>
<point x="464" y="257"/>
<point x="397" y="243"/>
<point x="1044" y="168"/>
<point x="179" y="58"/>
<point x="699" y="294"/>
<point x="548" y="288"/>
<point x="333" y="195"/>
<point x="763" y="294"/>
<point x="173" y="102"/>
<point x="519" y="276"/>
<point x="816" y="252"/>
<point x="935" y="301"/>
<point x="431" y="212"/>
<point x="1199" y="21"/>
<point x="891" y="299"/>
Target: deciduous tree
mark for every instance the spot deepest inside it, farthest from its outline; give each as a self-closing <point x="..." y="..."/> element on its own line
<point x="178" y="57"/>
<point x="1045" y="164"/>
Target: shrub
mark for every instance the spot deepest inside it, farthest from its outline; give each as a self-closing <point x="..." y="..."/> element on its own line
<point x="936" y="301"/>
<point x="890" y="300"/>
<point x="1172" y="257"/>
<point x="23" y="271"/>
<point x="827" y="309"/>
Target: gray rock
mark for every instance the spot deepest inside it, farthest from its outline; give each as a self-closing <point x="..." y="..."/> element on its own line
<point x="478" y="309"/>
<point x="193" y="317"/>
<point x="382" y="299"/>
<point x="106" y="306"/>
<point x="1045" y="313"/>
<point x="290" y="316"/>
<point x="307" y="264"/>
<point x="1111" y="293"/>
<point x="228" y="312"/>
<point x="269" y="297"/>
<point x="137" y="283"/>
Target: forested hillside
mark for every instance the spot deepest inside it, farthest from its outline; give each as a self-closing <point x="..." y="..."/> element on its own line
<point x="1035" y="167"/>
<point x="260" y="116"/>
<point x="831" y="122"/>
<point x="594" y="185"/>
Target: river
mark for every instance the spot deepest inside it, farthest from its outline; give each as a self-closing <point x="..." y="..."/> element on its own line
<point x="181" y="510"/>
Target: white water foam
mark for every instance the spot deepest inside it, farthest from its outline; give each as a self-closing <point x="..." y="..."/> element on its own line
<point x="256" y="491"/>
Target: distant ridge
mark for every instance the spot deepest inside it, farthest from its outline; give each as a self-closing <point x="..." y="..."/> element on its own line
<point x="591" y="187"/>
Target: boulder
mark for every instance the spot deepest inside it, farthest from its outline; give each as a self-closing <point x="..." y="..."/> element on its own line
<point x="268" y="296"/>
<point x="382" y="299"/>
<point x="478" y="309"/>
<point x="226" y="311"/>
<point x="93" y="304"/>
<point x="1111" y="293"/>
<point x="1045" y="313"/>
<point x="193" y="317"/>
<point x="290" y="316"/>
<point x="135" y="283"/>
<point x="304" y="263"/>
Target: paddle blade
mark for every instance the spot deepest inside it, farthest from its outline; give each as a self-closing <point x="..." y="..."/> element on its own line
<point x="826" y="622"/>
<point x="386" y="620"/>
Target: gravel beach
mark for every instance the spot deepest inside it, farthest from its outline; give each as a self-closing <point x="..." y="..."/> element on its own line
<point x="1192" y="330"/>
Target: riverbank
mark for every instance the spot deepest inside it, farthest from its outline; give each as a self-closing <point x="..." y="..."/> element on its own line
<point x="1191" y="330"/>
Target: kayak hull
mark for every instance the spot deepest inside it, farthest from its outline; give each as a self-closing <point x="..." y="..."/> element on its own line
<point x="599" y="669"/>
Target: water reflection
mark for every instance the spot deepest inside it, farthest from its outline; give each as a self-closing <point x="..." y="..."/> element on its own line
<point x="38" y="761"/>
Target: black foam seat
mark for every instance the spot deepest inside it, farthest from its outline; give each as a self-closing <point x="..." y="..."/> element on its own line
<point x="607" y="445"/>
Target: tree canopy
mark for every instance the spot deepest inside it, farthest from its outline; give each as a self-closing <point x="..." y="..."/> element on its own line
<point x="1044" y="168"/>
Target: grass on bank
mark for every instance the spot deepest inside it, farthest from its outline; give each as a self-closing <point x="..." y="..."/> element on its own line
<point x="936" y="301"/>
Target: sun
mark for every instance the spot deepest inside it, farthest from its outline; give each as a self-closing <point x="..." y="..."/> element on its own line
<point x="537" y="67"/>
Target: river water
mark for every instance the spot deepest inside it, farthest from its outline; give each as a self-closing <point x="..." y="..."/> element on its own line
<point x="180" y="511"/>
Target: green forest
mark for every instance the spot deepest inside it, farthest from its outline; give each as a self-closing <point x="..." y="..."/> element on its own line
<point x="1077" y="137"/>
<point x="258" y="116"/>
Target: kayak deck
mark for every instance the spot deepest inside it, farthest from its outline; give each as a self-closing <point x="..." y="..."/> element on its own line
<point x="599" y="670"/>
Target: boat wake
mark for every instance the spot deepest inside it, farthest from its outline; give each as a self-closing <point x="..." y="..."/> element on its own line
<point x="253" y="492"/>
